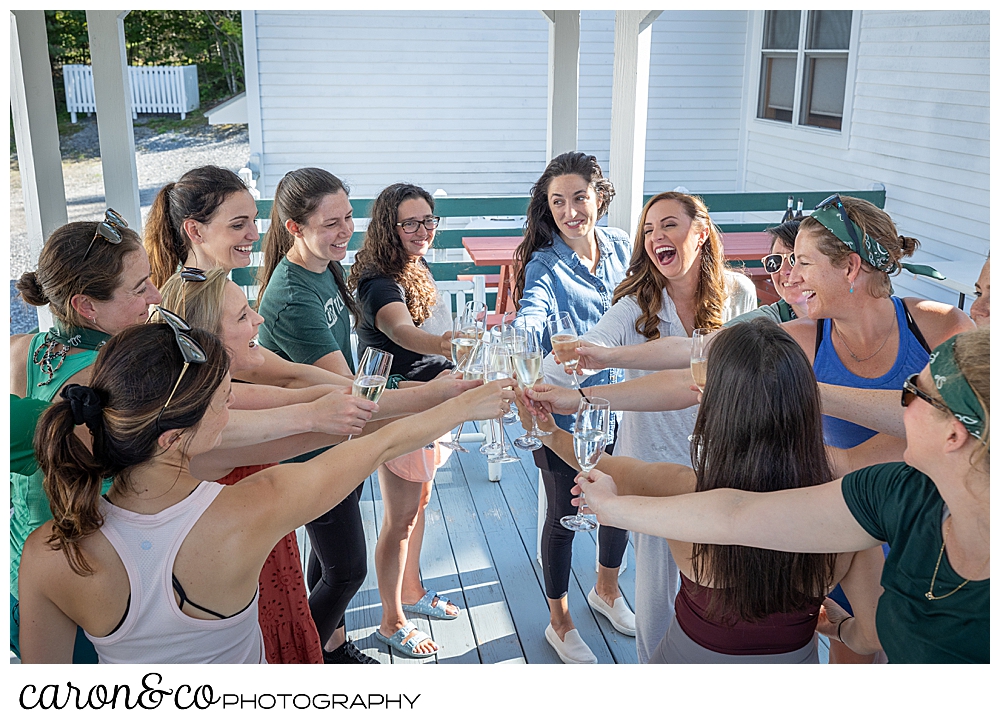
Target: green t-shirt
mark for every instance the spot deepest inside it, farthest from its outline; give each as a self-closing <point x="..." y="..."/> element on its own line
<point x="305" y="317"/>
<point x="24" y="414"/>
<point x="901" y="506"/>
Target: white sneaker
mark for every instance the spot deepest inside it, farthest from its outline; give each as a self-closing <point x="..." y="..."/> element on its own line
<point x="573" y="650"/>
<point x="620" y="615"/>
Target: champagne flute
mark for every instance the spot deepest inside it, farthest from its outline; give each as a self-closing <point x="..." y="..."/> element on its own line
<point x="373" y="373"/>
<point x="590" y="435"/>
<point x="463" y="338"/>
<point x="565" y="340"/>
<point x="498" y="367"/>
<point x="699" y="356"/>
<point x="528" y="366"/>
<point x="504" y="334"/>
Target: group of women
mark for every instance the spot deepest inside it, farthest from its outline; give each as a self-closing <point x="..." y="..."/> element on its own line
<point x="120" y="551"/>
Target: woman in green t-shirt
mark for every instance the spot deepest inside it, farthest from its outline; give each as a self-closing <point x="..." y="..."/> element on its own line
<point x="935" y="607"/>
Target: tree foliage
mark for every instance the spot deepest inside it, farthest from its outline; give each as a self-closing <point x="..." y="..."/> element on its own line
<point x="210" y="39"/>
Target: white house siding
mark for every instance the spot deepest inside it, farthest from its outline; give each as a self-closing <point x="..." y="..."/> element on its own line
<point x="920" y="126"/>
<point x="452" y="100"/>
<point x="695" y="95"/>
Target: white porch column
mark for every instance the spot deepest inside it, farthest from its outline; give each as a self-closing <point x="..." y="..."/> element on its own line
<point x="564" y="82"/>
<point x="36" y="133"/>
<point x="629" y="101"/>
<point x="114" y="113"/>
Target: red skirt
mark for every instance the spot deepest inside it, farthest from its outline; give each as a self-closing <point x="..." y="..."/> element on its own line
<point x="290" y="635"/>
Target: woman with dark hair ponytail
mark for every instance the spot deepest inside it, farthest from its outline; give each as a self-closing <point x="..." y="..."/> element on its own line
<point x="95" y="279"/>
<point x="162" y="567"/>
<point x="204" y="220"/>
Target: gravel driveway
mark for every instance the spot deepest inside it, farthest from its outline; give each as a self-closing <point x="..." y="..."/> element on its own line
<point x="160" y="158"/>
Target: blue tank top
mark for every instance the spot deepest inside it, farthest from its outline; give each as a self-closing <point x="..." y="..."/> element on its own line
<point x="912" y="357"/>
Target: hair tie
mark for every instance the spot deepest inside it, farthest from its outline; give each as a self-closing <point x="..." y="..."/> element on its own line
<point x="85" y="404"/>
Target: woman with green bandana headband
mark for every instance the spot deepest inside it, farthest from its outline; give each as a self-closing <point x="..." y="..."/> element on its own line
<point x="94" y="276"/>
<point x="933" y="511"/>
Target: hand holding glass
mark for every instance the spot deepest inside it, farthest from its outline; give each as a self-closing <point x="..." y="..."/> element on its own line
<point x="590" y="435"/>
<point x="373" y="373"/>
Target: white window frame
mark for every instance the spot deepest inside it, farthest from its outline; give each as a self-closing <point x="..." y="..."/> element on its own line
<point x="834" y="138"/>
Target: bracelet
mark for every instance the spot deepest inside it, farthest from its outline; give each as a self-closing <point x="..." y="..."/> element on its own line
<point x="393" y="382"/>
<point x="839" y="625"/>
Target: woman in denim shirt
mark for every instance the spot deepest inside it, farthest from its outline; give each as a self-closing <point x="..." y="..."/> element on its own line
<point x="567" y="264"/>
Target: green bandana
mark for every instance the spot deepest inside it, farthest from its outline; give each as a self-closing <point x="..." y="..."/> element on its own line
<point x="955" y="390"/>
<point x="871" y="251"/>
<point x="59" y="340"/>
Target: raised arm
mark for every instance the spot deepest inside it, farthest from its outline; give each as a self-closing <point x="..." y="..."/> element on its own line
<point x="875" y="409"/>
<point x="878" y="449"/>
<point x="664" y="353"/>
<point x="660" y="391"/>
<point x="282" y="373"/>
<point x="806" y="520"/>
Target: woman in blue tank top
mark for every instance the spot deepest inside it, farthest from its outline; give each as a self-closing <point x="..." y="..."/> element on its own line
<point x="857" y="333"/>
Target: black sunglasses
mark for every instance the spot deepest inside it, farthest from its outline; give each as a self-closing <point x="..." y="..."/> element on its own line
<point x="910" y="391"/>
<point x="772" y="262"/>
<point x="191" y="351"/>
<point x="835" y="202"/>
<point x="110" y="229"/>
<point x="410" y="225"/>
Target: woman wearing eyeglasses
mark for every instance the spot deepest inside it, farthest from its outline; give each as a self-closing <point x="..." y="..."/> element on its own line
<point x="933" y="511"/>
<point x="164" y="568"/>
<point x="399" y="305"/>
<point x="95" y="279"/>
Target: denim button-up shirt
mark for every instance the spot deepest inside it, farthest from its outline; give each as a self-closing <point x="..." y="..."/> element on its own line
<point x="556" y="280"/>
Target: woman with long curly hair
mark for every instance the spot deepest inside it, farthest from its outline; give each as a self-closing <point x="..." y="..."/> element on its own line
<point x="566" y="263"/>
<point x="399" y="303"/>
<point x="677" y="281"/>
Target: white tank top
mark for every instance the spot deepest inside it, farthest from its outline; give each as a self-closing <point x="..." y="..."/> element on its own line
<point x="155" y="630"/>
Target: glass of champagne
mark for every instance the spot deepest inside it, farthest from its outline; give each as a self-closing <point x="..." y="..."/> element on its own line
<point x="528" y="366"/>
<point x="699" y="356"/>
<point x="565" y="340"/>
<point x="498" y="367"/>
<point x="464" y="337"/>
<point x="373" y="373"/>
<point x="590" y="435"/>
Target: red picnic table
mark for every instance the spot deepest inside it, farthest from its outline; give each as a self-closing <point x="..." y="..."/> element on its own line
<point x="499" y="251"/>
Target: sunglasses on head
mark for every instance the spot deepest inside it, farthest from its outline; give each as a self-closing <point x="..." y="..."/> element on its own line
<point x="191" y="351"/>
<point x="110" y="229"/>
<point x="910" y="391"/>
<point x="772" y="262"/>
<point x="835" y="202"/>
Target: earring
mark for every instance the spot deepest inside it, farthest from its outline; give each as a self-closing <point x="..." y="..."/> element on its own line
<point x="851" y="290"/>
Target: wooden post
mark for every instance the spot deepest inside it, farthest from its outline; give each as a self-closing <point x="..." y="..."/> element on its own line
<point x="36" y="134"/>
<point x="629" y="102"/>
<point x="114" y="113"/>
<point x="564" y="82"/>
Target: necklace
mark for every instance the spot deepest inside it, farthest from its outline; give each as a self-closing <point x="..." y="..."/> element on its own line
<point x="930" y="591"/>
<point x="850" y="352"/>
<point x="59" y="340"/>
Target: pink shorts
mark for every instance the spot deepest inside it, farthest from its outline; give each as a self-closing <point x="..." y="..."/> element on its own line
<point x="420" y="465"/>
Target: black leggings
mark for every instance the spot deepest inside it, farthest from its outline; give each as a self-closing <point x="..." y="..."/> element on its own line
<point x="557" y="541"/>
<point x="338" y="563"/>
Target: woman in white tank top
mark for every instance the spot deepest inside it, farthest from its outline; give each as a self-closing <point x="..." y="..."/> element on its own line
<point x="164" y="568"/>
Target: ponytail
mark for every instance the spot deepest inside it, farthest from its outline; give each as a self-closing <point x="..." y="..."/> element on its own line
<point x="277" y="242"/>
<point x="72" y="482"/>
<point x="167" y="247"/>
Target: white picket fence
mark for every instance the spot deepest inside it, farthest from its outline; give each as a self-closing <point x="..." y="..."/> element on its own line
<point x="155" y="89"/>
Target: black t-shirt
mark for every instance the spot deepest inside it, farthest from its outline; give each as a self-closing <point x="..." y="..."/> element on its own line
<point x="373" y="294"/>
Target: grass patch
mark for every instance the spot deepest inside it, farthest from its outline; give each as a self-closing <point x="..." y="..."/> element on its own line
<point x="173" y="122"/>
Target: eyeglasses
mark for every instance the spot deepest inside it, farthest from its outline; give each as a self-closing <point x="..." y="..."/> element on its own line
<point x="410" y="225"/>
<point x="835" y="202"/>
<point x="910" y="390"/>
<point x="191" y="351"/>
<point x="772" y="262"/>
<point x="110" y="229"/>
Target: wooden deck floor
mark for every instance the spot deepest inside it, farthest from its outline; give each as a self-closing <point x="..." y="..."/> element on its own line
<point x="479" y="550"/>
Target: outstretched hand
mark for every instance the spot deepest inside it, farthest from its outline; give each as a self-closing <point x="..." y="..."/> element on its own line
<point x="599" y="491"/>
<point x="450" y="384"/>
<point x="550" y="399"/>
<point x="488" y="401"/>
<point x="340" y="413"/>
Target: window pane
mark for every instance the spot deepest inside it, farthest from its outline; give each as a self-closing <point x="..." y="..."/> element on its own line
<point x="777" y="88"/>
<point x="823" y="97"/>
<point x="829" y="30"/>
<point x="781" y="29"/>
